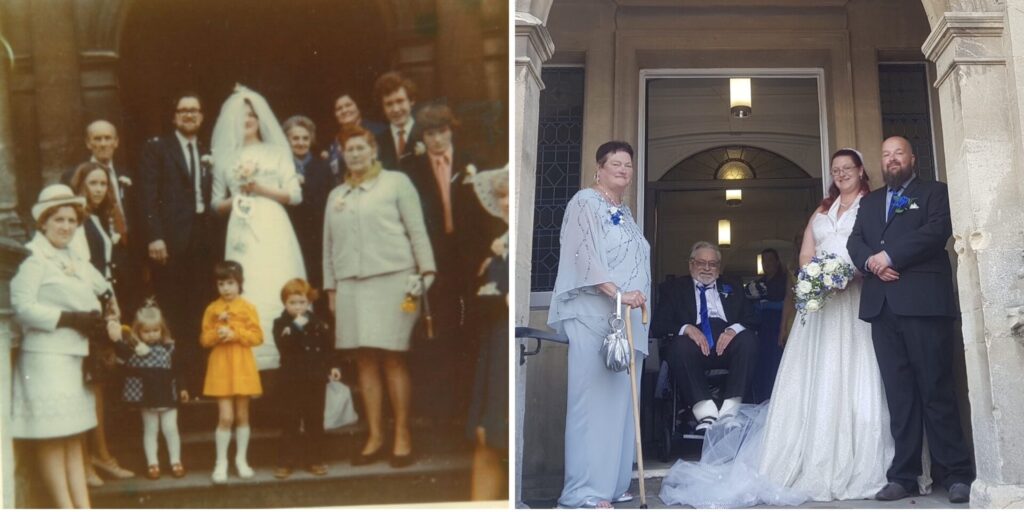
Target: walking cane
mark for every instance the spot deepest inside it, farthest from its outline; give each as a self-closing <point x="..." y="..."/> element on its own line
<point x="636" y="401"/>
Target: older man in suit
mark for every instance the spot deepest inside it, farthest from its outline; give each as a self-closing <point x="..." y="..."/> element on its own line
<point x="899" y="240"/>
<point x="707" y="324"/>
<point x="176" y="188"/>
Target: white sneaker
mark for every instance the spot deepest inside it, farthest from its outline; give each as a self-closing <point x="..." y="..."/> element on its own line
<point x="220" y="473"/>
<point x="244" y="470"/>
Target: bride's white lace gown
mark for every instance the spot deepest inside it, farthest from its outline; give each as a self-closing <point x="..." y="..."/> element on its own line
<point x="824" y="435"/>
<point x="260" y="237"/>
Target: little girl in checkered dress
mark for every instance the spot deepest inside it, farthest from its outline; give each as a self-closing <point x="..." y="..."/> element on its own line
<point x="151" y="384"/>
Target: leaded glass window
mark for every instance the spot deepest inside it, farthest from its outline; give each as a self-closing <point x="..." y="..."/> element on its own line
<point x="903" y="91"/>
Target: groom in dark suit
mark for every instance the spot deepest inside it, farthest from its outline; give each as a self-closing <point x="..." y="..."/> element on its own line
<point x="176" y="187"/>
<point x="899" y="241"/>
<point x="707" y="324"/>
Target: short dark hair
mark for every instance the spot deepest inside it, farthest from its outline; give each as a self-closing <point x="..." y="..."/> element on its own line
<point x="773" y="252"/>
<point x="390" y="82"/>
<point x="230" y="269"/>
<point x="182" y="95"/>
<point x="612" y="147"/>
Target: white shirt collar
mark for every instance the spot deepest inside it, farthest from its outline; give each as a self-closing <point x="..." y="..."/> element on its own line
<point x="184" y="141"/>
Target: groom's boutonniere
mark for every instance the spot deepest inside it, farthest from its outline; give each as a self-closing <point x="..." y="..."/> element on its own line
<point x="615" y="214"/>
<point x="726" y="290"/>
<point x="904" y="203"/>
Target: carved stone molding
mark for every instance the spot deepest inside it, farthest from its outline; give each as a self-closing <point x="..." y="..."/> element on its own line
<point x="533" y="44"/>
<point x="965" y="38"/>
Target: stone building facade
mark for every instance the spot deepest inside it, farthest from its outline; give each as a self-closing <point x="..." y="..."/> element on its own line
<point x="975" y="50"/>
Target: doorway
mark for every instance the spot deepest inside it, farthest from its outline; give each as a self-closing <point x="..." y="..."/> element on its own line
<point x="746" y="183"/>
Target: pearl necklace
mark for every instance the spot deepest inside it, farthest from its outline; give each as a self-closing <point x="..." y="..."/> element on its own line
<point x="608" y="196"/>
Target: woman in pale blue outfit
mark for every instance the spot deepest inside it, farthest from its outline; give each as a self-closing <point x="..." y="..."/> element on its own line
<point x="602" y="251"/>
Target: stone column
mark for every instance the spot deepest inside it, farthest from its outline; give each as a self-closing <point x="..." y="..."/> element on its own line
<point x="978" y="57"/>
<point x="57" y="86"/>
<point x="533" y="48"/>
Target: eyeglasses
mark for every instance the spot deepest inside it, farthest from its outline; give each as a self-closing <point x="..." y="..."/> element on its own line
<point x="847" y="170"/>
<point x="710" y="265"/>
<point x="188" y="111"/>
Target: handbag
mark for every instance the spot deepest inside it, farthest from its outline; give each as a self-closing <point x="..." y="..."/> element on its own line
<point x="615" y="349"/>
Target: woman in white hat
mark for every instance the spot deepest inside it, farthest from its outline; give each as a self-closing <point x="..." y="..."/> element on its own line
<point x="56" y="298"/>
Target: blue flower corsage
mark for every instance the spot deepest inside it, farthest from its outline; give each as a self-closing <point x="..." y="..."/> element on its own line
<point x="615" y="214"/>
<point x="726" y="290"/>
<point x="904" y="203"/>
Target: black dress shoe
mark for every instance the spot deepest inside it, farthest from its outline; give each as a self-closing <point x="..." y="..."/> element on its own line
<point x="401" y="461"/>
<point x="362" y="459"/>
<point x="959" y="493"/>
<point x="892" y="492"/>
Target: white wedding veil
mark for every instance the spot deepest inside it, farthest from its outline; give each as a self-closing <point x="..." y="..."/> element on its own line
<point x="229" y="131"/>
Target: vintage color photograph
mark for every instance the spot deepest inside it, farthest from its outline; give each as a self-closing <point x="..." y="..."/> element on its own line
<point x="768" y="253"/>
<point x="254" y="253"/>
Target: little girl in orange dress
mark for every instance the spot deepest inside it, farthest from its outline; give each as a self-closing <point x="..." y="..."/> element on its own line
<point x="231" y="327"/>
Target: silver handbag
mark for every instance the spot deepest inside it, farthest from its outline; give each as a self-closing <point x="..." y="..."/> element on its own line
<point x="615" y="349"/>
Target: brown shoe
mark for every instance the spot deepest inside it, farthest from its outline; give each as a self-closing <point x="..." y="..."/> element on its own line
<point x="318" y="469"/>
<point x="153" y="472"/>
<point x="282" y="472"/>
<point x="177" y="470"/>
<point x="112" y="468"/>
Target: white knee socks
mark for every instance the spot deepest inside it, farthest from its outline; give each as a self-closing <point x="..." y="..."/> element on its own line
<point x="241" y="449"/>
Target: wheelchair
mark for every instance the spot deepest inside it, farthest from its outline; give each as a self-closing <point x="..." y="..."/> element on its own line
<point x="671" y="420"/>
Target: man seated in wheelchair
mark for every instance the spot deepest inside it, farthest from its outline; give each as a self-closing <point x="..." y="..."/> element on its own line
<point x="708" y="324"/>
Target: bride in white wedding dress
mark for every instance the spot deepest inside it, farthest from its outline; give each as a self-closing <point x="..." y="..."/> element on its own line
<point x="825" y="434"/>
<point x="253" y="178"/>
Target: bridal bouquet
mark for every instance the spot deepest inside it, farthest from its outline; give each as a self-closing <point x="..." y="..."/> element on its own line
<point x="246" y="171"/>
<point x="818" y="280"/>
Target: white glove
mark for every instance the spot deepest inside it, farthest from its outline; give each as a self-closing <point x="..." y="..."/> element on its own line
<point x="428" y="280"/>
<point x="414" y="286"/>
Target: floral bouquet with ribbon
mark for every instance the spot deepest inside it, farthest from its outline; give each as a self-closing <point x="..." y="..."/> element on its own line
<point x="818" y="280"/>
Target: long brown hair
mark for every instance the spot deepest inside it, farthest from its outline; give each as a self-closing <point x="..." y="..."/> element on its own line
<point x="833" y="190"/>
<point x="107" y="208"/>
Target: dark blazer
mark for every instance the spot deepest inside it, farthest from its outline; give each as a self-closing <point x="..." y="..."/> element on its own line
<point x="167" y="192"/>
<point x="916" y="242"/>
<point x="306" y="352"/>
<point x="308" y="217"/>
<point x="677" y="306"/>
<point x="463" y="252"/>
<point x="386" y="147"/>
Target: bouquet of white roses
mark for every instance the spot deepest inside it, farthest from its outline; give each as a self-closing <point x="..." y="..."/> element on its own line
<point x="818" y="280"/>
<point x="246" y="171"/>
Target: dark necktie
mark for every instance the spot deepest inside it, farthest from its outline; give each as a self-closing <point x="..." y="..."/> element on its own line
<point x="191" y="163"/>
<point x="705" y="322"/>
<point x="401" y="142"/>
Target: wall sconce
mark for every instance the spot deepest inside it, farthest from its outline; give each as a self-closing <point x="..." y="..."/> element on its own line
<point x="724" y="233"/>
<point x="760" y="267"/>
<point x="733" y="197"/>
<point x="740" y="104"/>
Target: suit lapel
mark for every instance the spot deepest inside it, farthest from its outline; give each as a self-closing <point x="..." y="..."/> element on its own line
<point x="178" y="154"/>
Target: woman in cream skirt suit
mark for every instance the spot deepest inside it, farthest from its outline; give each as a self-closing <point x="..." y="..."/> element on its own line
<point x="377" y="264"/>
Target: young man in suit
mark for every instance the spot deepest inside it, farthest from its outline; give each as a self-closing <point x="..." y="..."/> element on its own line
<point x="707" y="322"/>
<point x="899" y="241"/>
<point x="178" y="221"/>
<point x="461" y="232"/>
<point x="396" y="95"/>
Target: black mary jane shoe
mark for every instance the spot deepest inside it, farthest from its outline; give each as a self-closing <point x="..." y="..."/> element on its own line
<point x="401" y="461"/>
<point x="362" y="459"/>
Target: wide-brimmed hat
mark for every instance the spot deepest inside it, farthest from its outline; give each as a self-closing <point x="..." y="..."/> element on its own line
<point x="485" y="183"/>
<point x="55" y="195"/>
